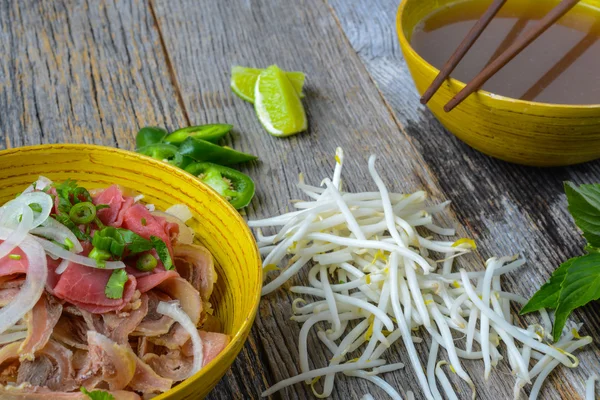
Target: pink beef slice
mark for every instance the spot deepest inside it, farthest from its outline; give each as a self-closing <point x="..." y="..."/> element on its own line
<point x="139" y="220"/>
<point x="84" y="287"/>
<point x="117" y="205"/>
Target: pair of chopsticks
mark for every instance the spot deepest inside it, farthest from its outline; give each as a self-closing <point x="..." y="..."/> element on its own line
<point x="504" y="58"/>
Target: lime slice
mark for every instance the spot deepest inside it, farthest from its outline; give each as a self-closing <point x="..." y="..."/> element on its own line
<point x="243" y="80"/>
<point x="277" y="104"/>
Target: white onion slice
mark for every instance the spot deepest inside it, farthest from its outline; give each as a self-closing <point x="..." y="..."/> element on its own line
<point x="41" y="183"/>
<point x="62" y="267"/>
<point x="61" y="252"/>
<point x="33" y="287"/>
<point x="52" y="229"/>
<point x="173" y="310"/>
<point x="180" y="211"/>
<point x="12" y="210"/>
<point x="17" y="235"/>
<point x="186" y="234"/>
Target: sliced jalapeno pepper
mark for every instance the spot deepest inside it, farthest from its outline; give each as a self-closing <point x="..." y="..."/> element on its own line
<point x="163" y="152"/>
<point x="149" y="135"/>
<point x="235" y="186"/>
<point x="211" y="133"/>
<point x="203" y="151"/>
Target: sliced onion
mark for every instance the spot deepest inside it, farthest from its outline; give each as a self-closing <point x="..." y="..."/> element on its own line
<point x="32" y="289"/>
<point x="41" y="183"/>
<point x="65" y="254"/>
<point x="12" y="337"/>
<point x="172" y="309"/>
<point x="180" y="211"/>
<point x="52" y="229"/>
<point x="17" y="235"/>
<point x="186" y="234"/>
<point x="12" y="210"/>
<point x="62" y="267"/>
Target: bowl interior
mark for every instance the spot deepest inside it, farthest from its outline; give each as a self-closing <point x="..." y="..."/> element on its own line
<point x="411" y="13"/>
<point x="217" y="225"/>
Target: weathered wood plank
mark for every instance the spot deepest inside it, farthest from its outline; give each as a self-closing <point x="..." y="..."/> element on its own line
<point x="509" y="208"/>
<point x="344" y="109"/>
<point x="83" y="72"/>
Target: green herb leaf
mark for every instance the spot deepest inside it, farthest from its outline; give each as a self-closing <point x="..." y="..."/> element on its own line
<point x="35" y="207"/>
<point x="116" y="284"/>
<point x="580" y="286"/>
<point x="547" y="296"/>
<point x="163" y="252"/>
<point x="101" y="206"/>
<point x="66" y="221"/>
<point x="134" y="242"/>
<point x="97" y="394"/>
<point x="584" y="206"/>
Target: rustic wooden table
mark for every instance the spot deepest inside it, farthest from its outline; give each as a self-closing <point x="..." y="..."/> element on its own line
<point x="96" y="71"/>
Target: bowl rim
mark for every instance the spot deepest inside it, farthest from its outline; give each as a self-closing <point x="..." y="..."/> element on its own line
<point x="489" y="95"/>
<point x="240" y="336"/>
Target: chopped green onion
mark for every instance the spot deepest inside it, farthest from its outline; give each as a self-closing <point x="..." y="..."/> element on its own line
<point x="109" y="239"/>
<point x="144" y="222"/>
<point x="116" y="284"/>
<point x="14" y="256"/>
<point x="69" y="244"/>
<point x="98" y="223"/>
<point x="101" y="206"/>
<point x="100" y="256"/>
<point x="83" y="213"/>
<point x="146" y="262"/>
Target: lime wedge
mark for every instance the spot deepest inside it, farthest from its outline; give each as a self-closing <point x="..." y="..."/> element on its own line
<point x="277" y="104"/>
<point x="243" y="80"/>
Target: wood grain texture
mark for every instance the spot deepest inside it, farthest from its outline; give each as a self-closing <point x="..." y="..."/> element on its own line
<point x="82" y="72"/>
<point x="95" y="72"/>
<point x="509" y="208"/>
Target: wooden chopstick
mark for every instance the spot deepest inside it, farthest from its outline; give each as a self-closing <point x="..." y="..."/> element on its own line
<point x="511" y="52"/>
<point x="462" y="49"/>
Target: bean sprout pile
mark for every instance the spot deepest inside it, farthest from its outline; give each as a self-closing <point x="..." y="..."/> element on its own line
<point x="377" y="276"/>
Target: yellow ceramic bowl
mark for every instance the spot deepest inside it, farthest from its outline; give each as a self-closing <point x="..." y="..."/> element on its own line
<point x="218" y="227"/>
<point x="518" y="131"/>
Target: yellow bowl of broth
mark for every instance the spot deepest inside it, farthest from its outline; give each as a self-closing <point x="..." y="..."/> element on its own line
<point x="542" y="108"/>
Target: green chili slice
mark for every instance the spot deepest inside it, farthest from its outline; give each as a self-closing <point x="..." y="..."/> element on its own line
<point x="203" y="151"/>
<point x="235" y="186"/>
<point x="210" y="132"/>
<point x="109" y="239"/>
<point x="149" y="135"/>
<point x="146" y="262"/>
<point x="163" y="152"/>
<point x="80" y="194"/>
<point x="83" y="213"/>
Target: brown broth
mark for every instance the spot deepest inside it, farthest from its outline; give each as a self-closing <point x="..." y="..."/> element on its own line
<point x="562" y="66"/>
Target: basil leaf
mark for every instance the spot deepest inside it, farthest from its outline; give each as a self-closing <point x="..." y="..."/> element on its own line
<point x="163" y="252"/>
<point x="584" y="206"/>
<point x="547" y="296"/>
<point x="116" y="284"/>
<point x="580" y="286"/>
<point x="97" y="394"/>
